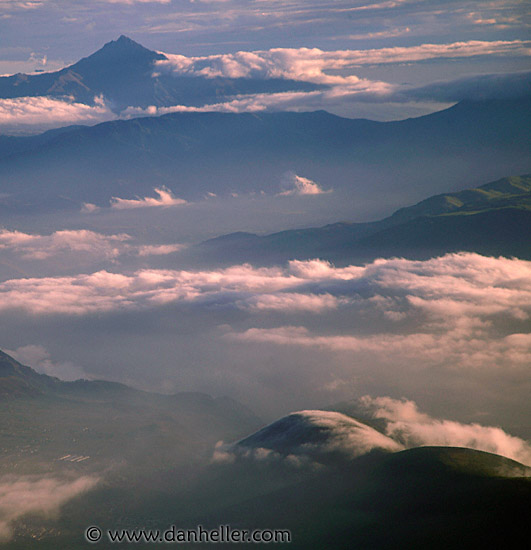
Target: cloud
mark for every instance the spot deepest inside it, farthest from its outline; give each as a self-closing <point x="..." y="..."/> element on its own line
<point x="314" y="303"/>
<point x="315" y="65"/>
<point x="21" y="495"/>
<point x="79" y="242"/>
<point x="47" y="112"/>
<point x="298" y="185"/>
<point x="41" y="247"/>
<point x="361" y="90"/>
<point x="131" y="2"/>
<point x="463" y="348"/>
<point x="39" y="359"/>
<point x="160" y="249"/>
<point x="460" y="312"/>
<point x="310" y="435"/>
<point x="22" y="5"/>
<point x="457" y="300"/>
<point x="406" y="424"/>
<point x="165" y="198"/>
<point x="391" y="33"/>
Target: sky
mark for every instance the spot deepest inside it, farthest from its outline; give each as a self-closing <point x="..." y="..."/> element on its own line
<point x="51" y="33"/>
<point x="366" y="53"/>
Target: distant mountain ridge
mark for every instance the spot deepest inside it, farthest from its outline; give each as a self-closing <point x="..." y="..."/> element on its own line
<point x="122" y="71"/>
<point x="196" y="153"/>
<point x="494" y="218"/>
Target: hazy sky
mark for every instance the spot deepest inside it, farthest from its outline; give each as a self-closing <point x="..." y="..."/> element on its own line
<point x="62" y="31"/>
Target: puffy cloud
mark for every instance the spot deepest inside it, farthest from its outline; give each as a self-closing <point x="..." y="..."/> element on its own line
<point x="314" y="65"/>
<point x="80" y="242"/>
<point x="361" y="90"/>
<point x="40" y="247"/>
<point x="460" y="311"/>
<point x="459" y="348"/>
<point x="39" y="358"/>
<point x="165" y="198"/>
<point x="292" y="301"/>
<point x="21" y="495"/>
<point x="299" y="185"/>
<point x="47" y="112"/>
<point x="311" y="435"/>
<point x="456" y="296"/>
<point x="406" y="424"/>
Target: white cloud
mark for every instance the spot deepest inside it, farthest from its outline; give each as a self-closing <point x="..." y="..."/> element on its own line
<point x="311" y="435"/>
<point x="39" y="359"/>
<point x="165" y="198"/>
<point x="314" y="65"/>
<point x="470" y="347"/>
<point x="299" y="185"/>
<point x="405" y="423"/>
<point x="40" y="247"/>
<point x="47" y="112"/>
<point x="160" y="249"/>
<point x="458" y="312"/>
<point x="465" y="286"/>
<point x="21" y="495"/>
<point x="80" y="243"/>
<point x="361" y="90"/>
<point x="292" y="301"/>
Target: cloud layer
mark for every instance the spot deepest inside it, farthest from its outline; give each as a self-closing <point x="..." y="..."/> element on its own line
<point x="412" y="428"/>
<point x="460" y="312"/>
<point x="21" y="495"/>
<point x="315" y="65"/>
<point x="46" y="112"/>
<point x="77" y="243"/>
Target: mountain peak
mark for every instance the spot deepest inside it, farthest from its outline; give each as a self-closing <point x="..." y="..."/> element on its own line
<point x="124" y="49"/>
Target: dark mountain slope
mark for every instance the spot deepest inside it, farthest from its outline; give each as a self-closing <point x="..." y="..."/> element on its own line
<point x="43" y="419"/>
<point x="429" y="497"/>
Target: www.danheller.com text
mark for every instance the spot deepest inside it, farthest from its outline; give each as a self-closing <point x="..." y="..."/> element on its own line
<point x="199" y="534"/>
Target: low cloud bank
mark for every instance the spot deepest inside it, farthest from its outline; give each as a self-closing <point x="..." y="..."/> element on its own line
<point x="47" y="112"/>
<point x="412" y="428"/>
<point x="21" y="495"/>
<point x="78" y="242"/>
<point x="312" y="64"/>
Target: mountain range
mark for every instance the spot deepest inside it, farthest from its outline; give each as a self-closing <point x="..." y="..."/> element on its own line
<point x="154" y="450"/>
<point x="198" y="153"/>
<point x="124" y="73"/>
<point x="492" y="219"/>
<point x="107" y="421"/>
